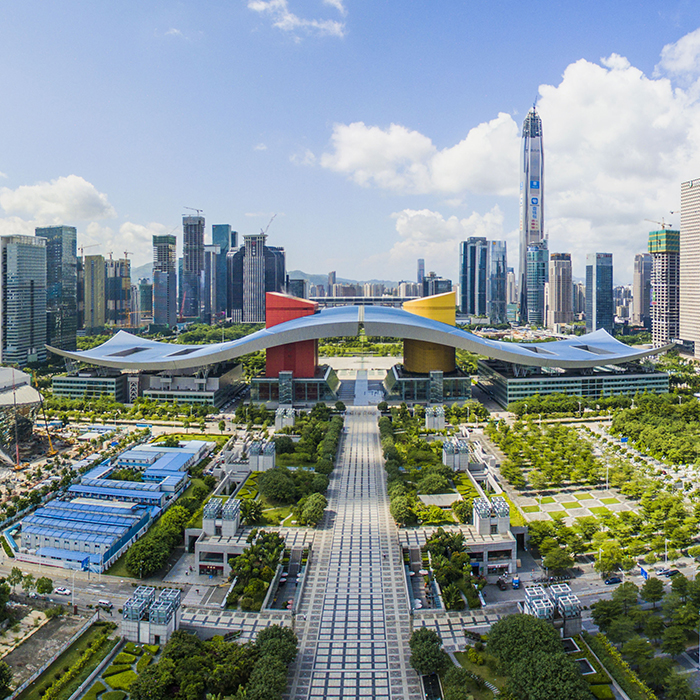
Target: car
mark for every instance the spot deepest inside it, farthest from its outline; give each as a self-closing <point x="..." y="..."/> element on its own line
<point x="62" y="590"/>
<point x="612" y="580"/>
<point x="672" y="572"/>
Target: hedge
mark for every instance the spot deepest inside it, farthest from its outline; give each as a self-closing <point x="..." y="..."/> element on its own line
<point x="123" y="680"/>
<point x="153" y="648"/>
<point x="143" y="662"/>
<point x="124" y="658"/>
<point x="131" y="648"/>
<point x="618" y="668"/>
<point x="113" y="669"/>
<point x="6" y="546"/>
<point x="603" y="692"/>
<point x="114" y="695"/>
<point x="94" y="691"/>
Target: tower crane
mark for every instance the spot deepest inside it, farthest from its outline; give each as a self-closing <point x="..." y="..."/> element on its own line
<point x="661" y="223"/>
<point x="127" y="253"/>
<point x="199" y="211"/>
<point x="268" y="225"/>
<point x="83" y="247"/>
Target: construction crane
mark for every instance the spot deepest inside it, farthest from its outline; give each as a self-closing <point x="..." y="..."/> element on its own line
<point x="199" y="211"/>
<point x="661" y="223"/>
<point x="83" y="247"/>
<point x="127" y="253"/>
<point x="268" y="226"/>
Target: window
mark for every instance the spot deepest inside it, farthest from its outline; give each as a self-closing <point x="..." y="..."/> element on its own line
<point x="494" y="529"/>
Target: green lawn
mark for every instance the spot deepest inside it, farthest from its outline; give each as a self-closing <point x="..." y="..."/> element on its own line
<point x="484" y="672"/>
<point x="37" y="689"/>
<point x="220" y="440"/>
<point x="583" y="497"/>
<point x="547" y="499"/>
<point x="609" y="501"/>
<point x="571" y="505"/>
<point x="531" y="509"/>
<point x="599" y="510"/>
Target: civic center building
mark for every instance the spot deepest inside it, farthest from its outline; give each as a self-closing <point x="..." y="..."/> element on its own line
<point x="592" y="365"/>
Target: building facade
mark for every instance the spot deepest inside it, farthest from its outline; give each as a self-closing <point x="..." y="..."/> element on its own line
<point x="664" y="250"/>
<point x="226" y="238"/>
<point x="94" y="295"/>
<point x="164" y="280"/>
<point x="61" y="285"/>
<point x="473" y="275"/>
<point x="537" y="269"/>
<point x="531" y="209"/>
<point x="421" y="271"/>
<point x="600" y="309"/>
<point x="641" y="290"/>
<point x="561" y="307"/>
<point x="22" y="300"/>
<point x="689" y="271"/>
<point x="497" y="283"/>
<point x="118" y="292"/>
<point x="192" y="266"/>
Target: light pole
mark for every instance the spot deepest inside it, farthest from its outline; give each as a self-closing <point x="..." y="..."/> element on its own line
<point x="579" y="409"/>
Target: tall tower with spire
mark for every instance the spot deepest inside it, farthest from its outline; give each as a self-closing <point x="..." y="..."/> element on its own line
<point x="531" y="215"/>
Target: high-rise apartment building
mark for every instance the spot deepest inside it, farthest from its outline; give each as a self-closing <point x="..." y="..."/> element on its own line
<point x="473" y="274"/>
<point x="212" y="254"/>
<point x="497" y="283"/>
<point x="22" y="300"/>
<point x="641" y="290"/>
<point x="511" y="287"/>
<point x="226" y="238"/>
<point x="331" y="282"/>
<point x="61" y="285"/>
<point x="600" y="309"/>
<point x="164" y="280"/>
<point x="537" y="270"/>
<point x="531" y="211"/>
<point x="94" y="299"/>
<point x="664" y="249"/>
<point x="118" y="292"/>
<point x="561" y="305"/>
<point x="145" y="293"/>
<point x="192" y="282"/>
<point x="579" y="299"/>
<point x="689" y="271"/>
<point x="421" y="271"/>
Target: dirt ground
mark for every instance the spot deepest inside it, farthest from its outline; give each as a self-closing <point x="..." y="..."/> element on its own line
<point x="41" y="646"/>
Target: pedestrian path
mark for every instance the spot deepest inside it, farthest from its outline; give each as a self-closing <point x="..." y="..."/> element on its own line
<point x="353" y="621"/>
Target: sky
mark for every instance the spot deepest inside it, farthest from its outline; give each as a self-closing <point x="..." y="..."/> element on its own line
<point x="377" y="131"/>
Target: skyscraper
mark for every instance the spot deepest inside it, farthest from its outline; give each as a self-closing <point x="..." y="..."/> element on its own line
<point x="226" y="238"/>
<point x="331" y="282"/>
<point x="61" y="285"/>
<point x="497" y="283"/>
<point x="561" y="308"/>
<point x="537" y="269"/>
<point x="473" y="273"/>
<point x="689" y="271"/>
<point x="421" y="271"/>
<point x="118" y="292"/>
<point x="531" y="208"/>
<point x="94" y="271"/>
<point x="192" y="266"/>
<point x="164" y="280"/>
<point x="22" y="299"/>
<point x="641" y="290"/>
<point x="664" y="248"/>
<point x="145" y="293"/>
<point x="600" y="309"/>
<point x="212" y="253"/>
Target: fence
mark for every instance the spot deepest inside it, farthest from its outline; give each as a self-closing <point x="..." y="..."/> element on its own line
<point x="100" y="667"/>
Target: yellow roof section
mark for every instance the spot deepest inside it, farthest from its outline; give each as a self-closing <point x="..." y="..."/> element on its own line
<point x="440" y="307"/>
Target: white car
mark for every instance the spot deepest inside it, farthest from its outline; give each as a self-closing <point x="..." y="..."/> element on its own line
<point x="61" y="590"/>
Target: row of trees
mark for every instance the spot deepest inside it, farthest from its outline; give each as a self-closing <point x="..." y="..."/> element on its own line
<point x="190" y="669"/>
<point x="42" y="585"/>
<point x="566" y="405"/>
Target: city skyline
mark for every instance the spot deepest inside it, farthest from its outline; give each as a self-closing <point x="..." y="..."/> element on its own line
<point x="369" y="168"/>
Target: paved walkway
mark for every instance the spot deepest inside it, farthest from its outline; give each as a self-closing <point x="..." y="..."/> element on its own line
<point x="353" y="620"/>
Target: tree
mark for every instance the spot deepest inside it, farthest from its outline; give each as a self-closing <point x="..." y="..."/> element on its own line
<point x="463" y="510"/>
<point x="401" y="510"/>
<point x="652" y="590"/>
<point x="277" y="485"/>
<point x="268" y="680"/>
<point x="5" y="679"/>
<point x="313" y="510"/>
<point x="427" y="655"/>
<point x="558" y="560"/>
<point x="677" y="687"/>
<point x="28" y="583"/>
<point x="283" y="444"/>
<point x="538" y="482"/>
<point x="542" y="676"/>
<point x="44" y="585"/>
<point x="15" y="577"/>
<point x="604" y="612"/>
<point x="609" y="557"/>
<point x="251" y="511"/>
<point x="673" y="641"/>
<point x="514" y="636"/>
<point x="626" y="594"/>
<point x="339" y="406"/>
<point x="680" y="585"/>
<point x="621" y="629"/>
<point x="637" y="649"/>
<point x="655" y="672"/>
<point x="278" y="641"/>
<point x="222" y="426"/>
<point x="654" y="627"/>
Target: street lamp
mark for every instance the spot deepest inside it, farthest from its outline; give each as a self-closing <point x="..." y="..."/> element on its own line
<point x="579" y="409"/>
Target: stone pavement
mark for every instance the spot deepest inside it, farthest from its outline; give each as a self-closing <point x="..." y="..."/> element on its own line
<point x="353" y="621"/>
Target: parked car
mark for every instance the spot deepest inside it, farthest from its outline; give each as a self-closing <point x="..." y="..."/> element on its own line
<point x="62" y="590"/>
<point x="612" y="580"/>
<point x="672" y="572"/>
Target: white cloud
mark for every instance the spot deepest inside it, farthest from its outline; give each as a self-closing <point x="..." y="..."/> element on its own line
<point x="304" y="158"/>
<point x="617" y="145"/>
<point x="338" y="4"/>
<point x="135" y="239"/>
<point x="4" y="176"/>
<point x="283" y="18"/>
<point x="260" y="147"/>
<point x="60" y="201"/>
<point x="175" y="32"/>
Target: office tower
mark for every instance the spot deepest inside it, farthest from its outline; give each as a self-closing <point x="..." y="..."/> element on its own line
<point x="192" y="266"/>
<point x="298" y="288"/>
<point x="22" y="300"/>
<point x="537" y="262"/>
<point x="223" y="236"/>
<point x="473" y="273"/>
<point x="599" y="292"/>
<point x="145" y="292"/>
<point x="511" y="287"/>
<point x="61" y="285"/>
<point x="666" y="291"/>
<point x="94" y="272"/>
<point x="331" y="282"/>
<point x="689" y="272"/>
<point x="432" y="284"/>
<point x="164" y="280"/>
<point x="641" y="290"/>
<point x="80" y="297"/>
<point x="253" y="270"/>
<point x="421" y="271"/>
<point x="212" y="253"/>
<point x="531" y="209"/>
<point x="497" y="283"/>
<point x="118" y="292"/>
<point x="579" y="299"/>
<point x="561" y="289"/>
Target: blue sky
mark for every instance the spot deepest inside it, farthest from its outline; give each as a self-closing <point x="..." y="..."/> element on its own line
<point x="378" y="132"/>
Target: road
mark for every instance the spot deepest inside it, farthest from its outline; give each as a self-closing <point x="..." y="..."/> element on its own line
<point x="353" y="620"/>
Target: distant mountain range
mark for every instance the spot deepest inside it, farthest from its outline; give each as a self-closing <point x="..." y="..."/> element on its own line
<point x="146" y="270"/>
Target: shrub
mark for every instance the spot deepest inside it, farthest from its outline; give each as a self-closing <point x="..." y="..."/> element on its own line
<point x="131" y="648"/>
<point x="114" y="695"/>
<point x="153" y="648"/>
<point x="123" y="680"/>
<point x="603" y="692"/>
<point x="113" y="669"/>
<point x="124" y="658"/>
<point x="94" y="691"/>
<point x="143" y="662"/>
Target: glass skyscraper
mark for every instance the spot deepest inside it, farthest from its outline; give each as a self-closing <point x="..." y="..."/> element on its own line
<point x="227" y="239"/>
<point x="164" y="280"/>
<point x="537" y="269"/>
<point x="497" y="296"/>
<point x="192" y="282"/>
<point x="531" y="209"/>
<point x="473" y="274"/>
<point x="61" y="285"/>
<point x="600" y="311"/>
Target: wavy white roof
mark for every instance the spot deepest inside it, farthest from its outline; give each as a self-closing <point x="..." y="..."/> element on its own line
<point x="128" y="352"/>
